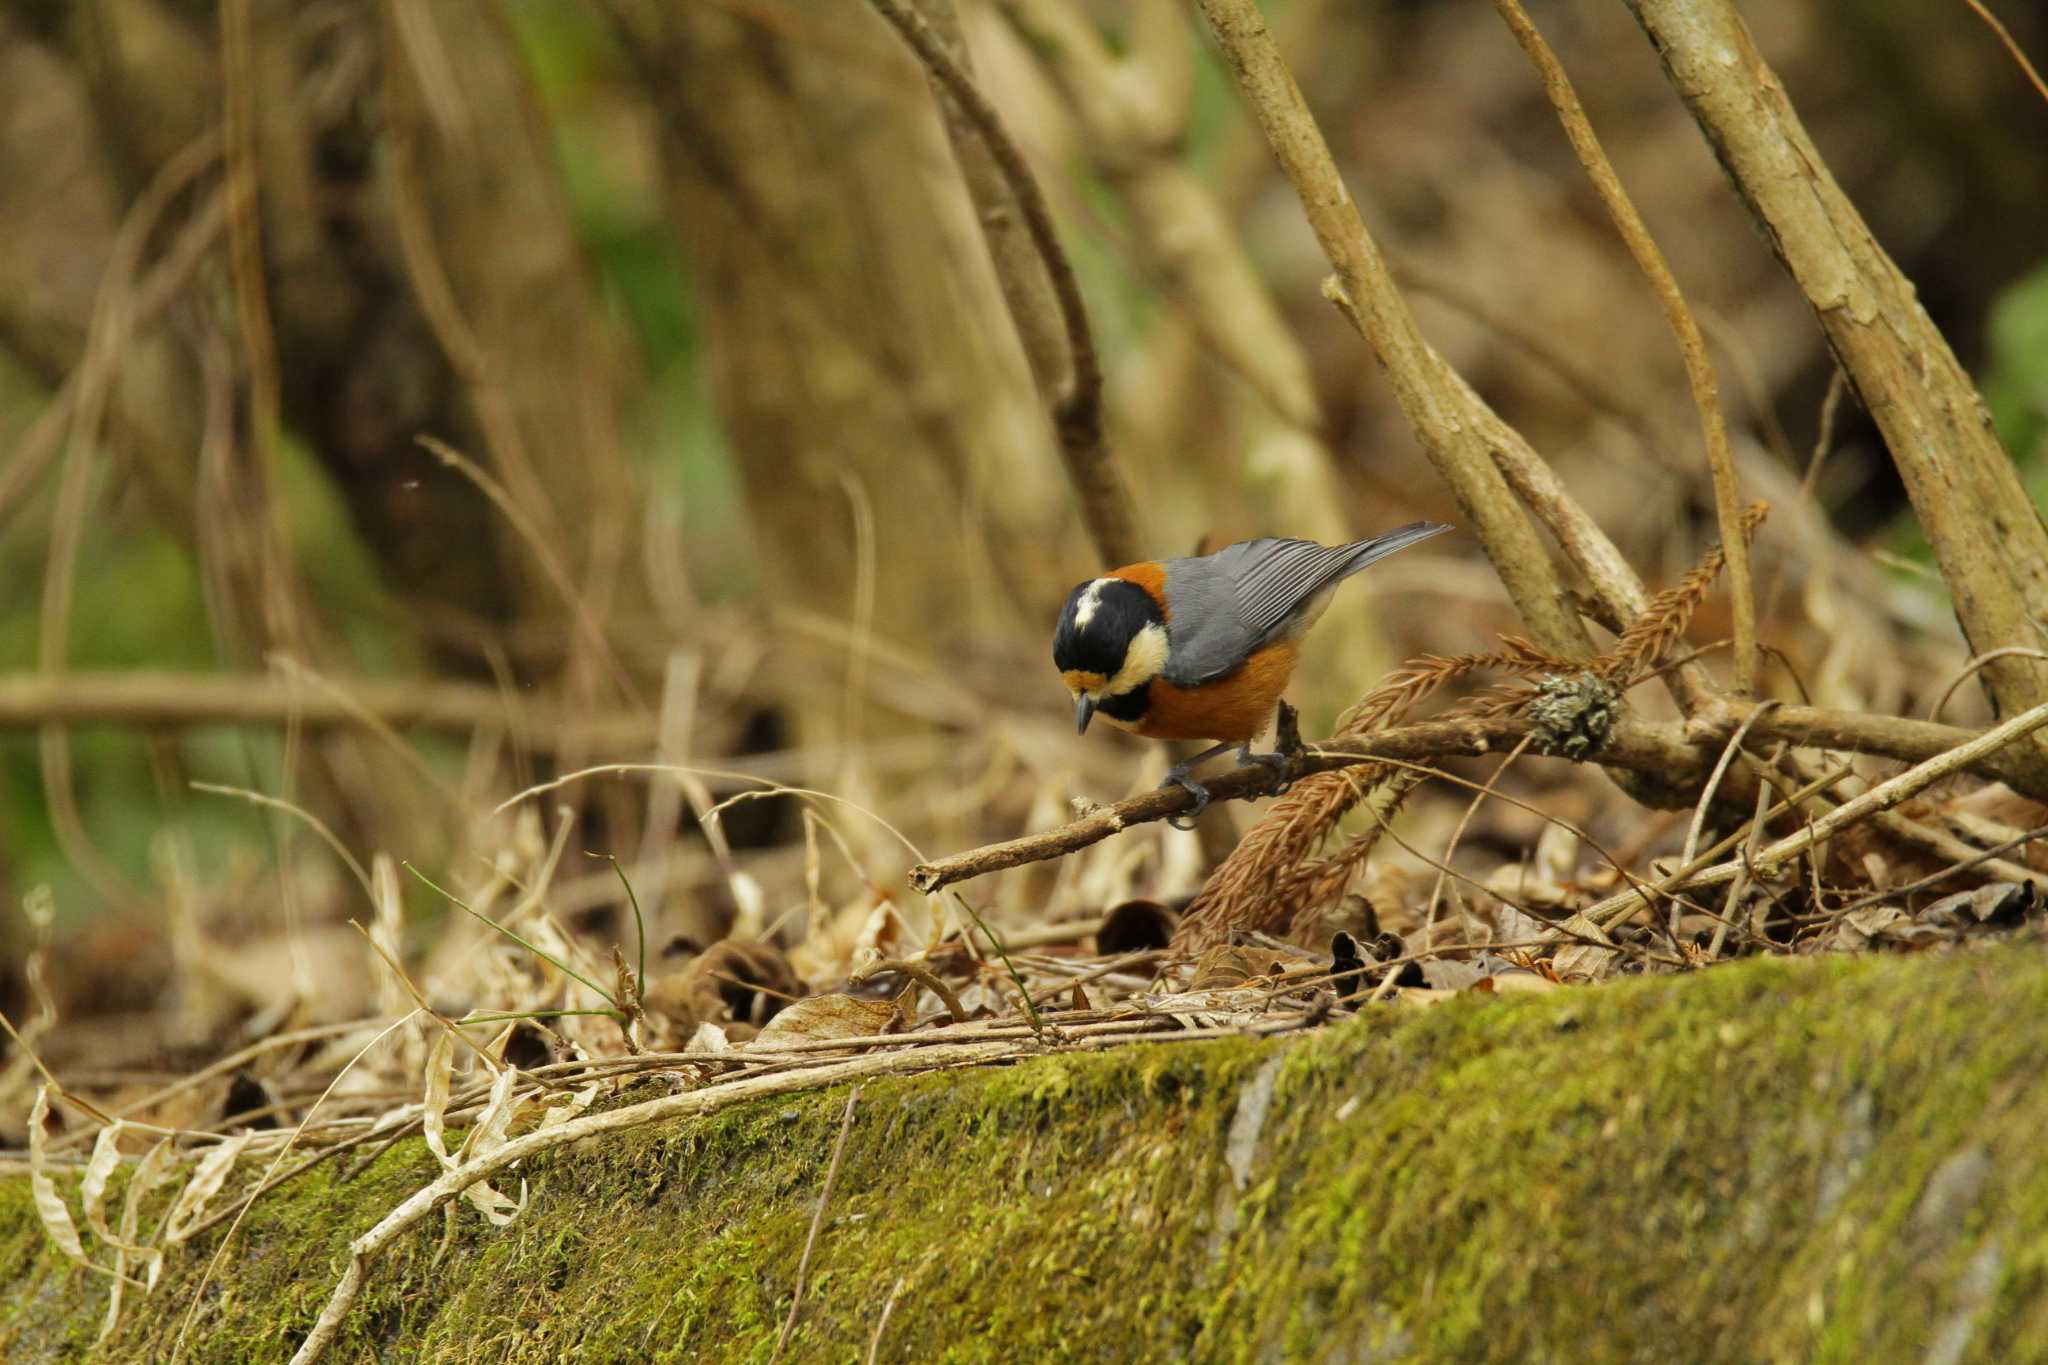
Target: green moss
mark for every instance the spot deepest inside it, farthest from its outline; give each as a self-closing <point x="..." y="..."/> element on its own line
<point x="1773" y="1161"/>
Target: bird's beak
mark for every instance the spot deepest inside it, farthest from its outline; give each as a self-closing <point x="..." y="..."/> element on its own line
<point x="1084" y="711"/>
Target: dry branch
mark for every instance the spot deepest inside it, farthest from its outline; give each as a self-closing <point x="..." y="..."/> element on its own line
<point x="1986" y="533"/>
<point x="1975" y="750"/>
<point x="1692" y="346"/>
<point x="1448" y="418"/>
<point x="156" y="700"/>
<point x="1635" y="746"/>
<point x="1641" y="747"/>
<point x="1076" y="400"/>
<point x="1910" y="741"/>
<point x="1134" y="134"/>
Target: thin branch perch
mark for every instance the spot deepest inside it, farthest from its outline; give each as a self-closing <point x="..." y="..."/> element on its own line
<point x="1638" y="747"/>
<point x="1641" y="747"/>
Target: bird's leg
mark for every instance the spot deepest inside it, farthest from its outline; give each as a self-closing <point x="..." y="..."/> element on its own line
<point x="1285" y="760"/>
<point x="1177" y="776"/>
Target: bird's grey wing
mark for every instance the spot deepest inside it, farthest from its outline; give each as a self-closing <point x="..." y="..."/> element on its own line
<point x="1206" y="635"/>
<point x="1230" y="603"/>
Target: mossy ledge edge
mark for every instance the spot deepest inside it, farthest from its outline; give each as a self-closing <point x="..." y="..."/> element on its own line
<point x="1812" y="1160"/>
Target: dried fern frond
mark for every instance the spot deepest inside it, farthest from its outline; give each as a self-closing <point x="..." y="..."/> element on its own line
<point x="1246" y="890"/>
<point x="1415" y="682"/>
<point x="1322" y="882"/>
<point x="1650" y="636"/>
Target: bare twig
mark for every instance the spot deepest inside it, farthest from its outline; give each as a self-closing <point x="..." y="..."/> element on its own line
<point x="1454" y="427"/>
<point x="1634" y="747"/>
<point x="1970" y="669"/>
<point x="1733" y="901"/>
<point x="1077" y="403"/>
<point x="1692" y="346"/>
<point x="544" y="554"/>
<point x="93" y="386"/>
<point x="1987" y="535"/>
<point x="253" y="319"/>
<point x="1977" y="859"/>
<point x="1910" y="741"/>
<point x="143" y="699"/>
<point x="918" y="972"/>
<point x="1436" y="890"/>
<point x="1879" y="798"/>
<point x="1991" y="20"/>
<point x="1641" y="747"/>
<point x="1734" y="745"/>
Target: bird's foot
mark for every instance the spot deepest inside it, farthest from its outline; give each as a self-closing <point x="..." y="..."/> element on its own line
<point x="1280" y="765"/>
<point x="1284" y="763"/>
<point x="1177" y="776"/>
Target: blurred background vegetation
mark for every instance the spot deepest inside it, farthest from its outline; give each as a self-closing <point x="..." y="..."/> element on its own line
<point x="753" y="474"/>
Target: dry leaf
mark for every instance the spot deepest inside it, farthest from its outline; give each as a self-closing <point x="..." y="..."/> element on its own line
<point x="207" y="1178"/>
<point x="485" y="1137"/>
<point x="50" y="1205"/>
<point x="1579" y="959"/>
<point x="709" y="1038"/>
<point x="1226" y="965"/>
<point x="153" y="1170"/>
<point x="433" y="1117"/>
<point x="738" y="981"/>
<point x="568" y="1107"/>
<point x="1999" y="904"/>
<point x="92" y="1191"/>
<point x="820" y="1018"/>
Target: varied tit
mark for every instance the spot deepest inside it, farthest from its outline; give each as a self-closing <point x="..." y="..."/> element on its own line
<point x="1202" y="648"/>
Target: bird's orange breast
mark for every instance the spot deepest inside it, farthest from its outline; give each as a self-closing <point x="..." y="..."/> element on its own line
<point x="1232" y="708"/>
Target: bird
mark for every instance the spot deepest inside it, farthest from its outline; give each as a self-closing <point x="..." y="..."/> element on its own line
<point x="1202" y="647"/>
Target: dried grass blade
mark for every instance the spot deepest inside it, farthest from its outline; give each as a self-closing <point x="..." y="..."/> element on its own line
<point x="207" y="1178"/>
<point x="50" y="1206"/>
<point x="433" y="1115"/>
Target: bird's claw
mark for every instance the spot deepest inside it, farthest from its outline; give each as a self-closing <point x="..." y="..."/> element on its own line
<point x="1281" y="765"/>
<point x="1176" y="778"/>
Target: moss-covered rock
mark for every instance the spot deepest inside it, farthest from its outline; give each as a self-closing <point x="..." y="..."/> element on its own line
<point x="1772" y="1161"/>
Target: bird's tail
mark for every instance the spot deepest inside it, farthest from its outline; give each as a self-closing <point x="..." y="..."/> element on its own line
<point x="1364" y="552"/>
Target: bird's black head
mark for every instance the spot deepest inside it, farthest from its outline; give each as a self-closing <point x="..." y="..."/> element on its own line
<point x="1110" y="643"/>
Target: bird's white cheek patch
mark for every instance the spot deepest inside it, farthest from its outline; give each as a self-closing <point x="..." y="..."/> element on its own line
<point x="1144" y="660"/>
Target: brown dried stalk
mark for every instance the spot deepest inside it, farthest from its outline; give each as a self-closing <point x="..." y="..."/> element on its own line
<point x="1987" y="536"/>
<point x="1453" y="425"/>
<point x="1076" y="399"/>
<point x="1692" y="346"/>
<point x="153" y="700"/>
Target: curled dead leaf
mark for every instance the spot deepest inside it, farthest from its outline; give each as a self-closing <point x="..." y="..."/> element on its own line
<point x="738" y="981"/>
<point x="2000" y="905"/>
<point x="1225" y="965"/>
<point x="822" y="1018"/>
